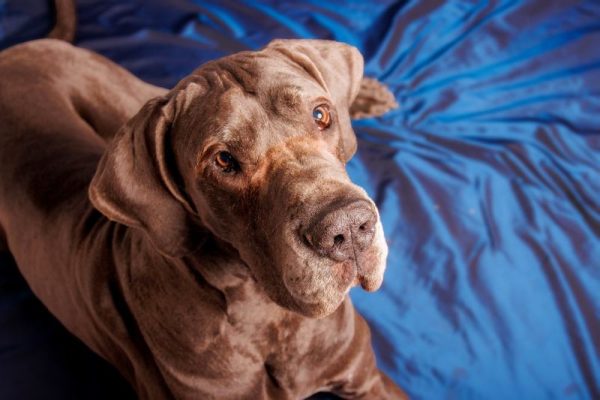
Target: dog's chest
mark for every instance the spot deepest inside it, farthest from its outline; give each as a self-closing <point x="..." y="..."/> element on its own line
<point x="206" y="332"/>
<point x="266" y="345"/>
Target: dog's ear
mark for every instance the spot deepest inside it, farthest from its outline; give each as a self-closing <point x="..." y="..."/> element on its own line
<point x="339" y="67"/>
<point x="136" y="181"/>
<point x="373" y="99"/>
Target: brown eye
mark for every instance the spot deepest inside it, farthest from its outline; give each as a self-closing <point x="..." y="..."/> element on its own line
<point x="322" y="117"/>
<point x="226" y="162"/>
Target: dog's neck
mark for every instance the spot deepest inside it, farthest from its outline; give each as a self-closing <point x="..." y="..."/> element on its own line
<point x="219" y="264"/>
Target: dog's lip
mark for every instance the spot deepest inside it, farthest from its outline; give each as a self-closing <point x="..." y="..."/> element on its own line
<point x="368" y="285"/>
<point x="353" y="284"/>
<point x="361" y="277"/>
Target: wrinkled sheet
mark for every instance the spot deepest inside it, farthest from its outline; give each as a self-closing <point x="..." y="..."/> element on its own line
<point x="487" y="176"/>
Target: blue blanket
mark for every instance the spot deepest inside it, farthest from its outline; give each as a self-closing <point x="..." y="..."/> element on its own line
<point x="487" y="178"/>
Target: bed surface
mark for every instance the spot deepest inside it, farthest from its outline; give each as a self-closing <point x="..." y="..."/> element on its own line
<point x="487" y="178"/>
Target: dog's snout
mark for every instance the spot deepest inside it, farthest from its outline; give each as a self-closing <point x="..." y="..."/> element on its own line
<point x="341" y="233"/>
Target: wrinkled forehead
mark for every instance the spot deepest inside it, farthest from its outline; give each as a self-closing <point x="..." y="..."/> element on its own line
<point x="274" y="82"/>
<point x="253" y="101"/>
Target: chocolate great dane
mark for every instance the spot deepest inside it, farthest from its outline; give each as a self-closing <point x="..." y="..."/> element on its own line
<point x="201" y="239"/>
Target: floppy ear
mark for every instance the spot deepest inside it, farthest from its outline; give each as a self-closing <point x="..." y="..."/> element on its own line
<point x="373" y="99"/>
<point x="339" y="67"/>
<point x="136" y="181"/>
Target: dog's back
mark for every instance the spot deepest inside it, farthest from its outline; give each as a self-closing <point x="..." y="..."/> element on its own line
<point x="57" y="103"/>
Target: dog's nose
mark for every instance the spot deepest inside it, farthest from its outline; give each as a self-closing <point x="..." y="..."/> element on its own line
<point x="341" y="233"/>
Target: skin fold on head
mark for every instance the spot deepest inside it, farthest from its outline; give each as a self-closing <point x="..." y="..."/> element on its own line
<point x="251" y="148"/>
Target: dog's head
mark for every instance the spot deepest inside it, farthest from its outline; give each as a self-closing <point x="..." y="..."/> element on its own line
<point x="252" y="148"/>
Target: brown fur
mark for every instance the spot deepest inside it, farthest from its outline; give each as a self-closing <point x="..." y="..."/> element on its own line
<point x="192" y="282"/>
<point x="66" y="21"/>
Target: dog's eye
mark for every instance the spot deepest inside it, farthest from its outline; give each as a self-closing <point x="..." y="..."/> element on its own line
<point x="322" y="117"/>
<point x="225" y="161"/>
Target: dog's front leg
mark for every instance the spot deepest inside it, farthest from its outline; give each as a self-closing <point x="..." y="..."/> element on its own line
<point x="359" y="377"/>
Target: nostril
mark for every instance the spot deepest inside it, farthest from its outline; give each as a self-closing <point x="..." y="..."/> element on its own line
<point x="307" y="240"/>
<point x="341" y="232"/>
<point x="366" y="227"/>
<point x="364" y="231"/>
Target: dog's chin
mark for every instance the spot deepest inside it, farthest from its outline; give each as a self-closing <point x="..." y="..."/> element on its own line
<point x="317" y="294"/>
<point x="321" y="308"/>
<point x="324" y="298"/>
<point x="331" y="299"/>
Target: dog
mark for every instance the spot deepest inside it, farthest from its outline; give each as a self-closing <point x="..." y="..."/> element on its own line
<point x="201" y="239"/>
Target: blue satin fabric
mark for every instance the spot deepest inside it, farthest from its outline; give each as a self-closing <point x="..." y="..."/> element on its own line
<point x="487" y="176"/>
